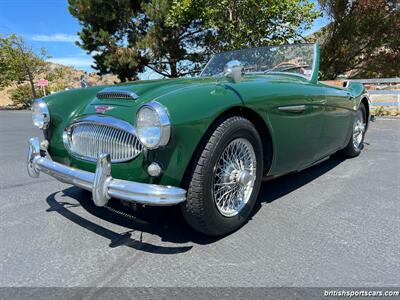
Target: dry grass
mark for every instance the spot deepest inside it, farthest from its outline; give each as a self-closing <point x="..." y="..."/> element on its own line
<point x="385" y="111"/>
<point x="5" y="98"/>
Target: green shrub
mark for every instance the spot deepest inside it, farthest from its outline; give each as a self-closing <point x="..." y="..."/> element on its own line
<point x="57" y="74"/>
<point x="56" y="87"/>
<point x="21" y="96"/>
<point x="382" y="111"/>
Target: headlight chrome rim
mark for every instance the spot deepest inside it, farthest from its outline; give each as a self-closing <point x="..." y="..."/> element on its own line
<point x="39" y="107"/>
<point x="164" y="120"/>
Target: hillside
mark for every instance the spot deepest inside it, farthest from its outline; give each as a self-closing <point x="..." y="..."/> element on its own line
<point x="60" y="77"/>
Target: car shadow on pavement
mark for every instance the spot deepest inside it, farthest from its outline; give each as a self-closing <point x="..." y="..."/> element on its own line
<point x="274" y="189"/>
<point x="164" y="222"/>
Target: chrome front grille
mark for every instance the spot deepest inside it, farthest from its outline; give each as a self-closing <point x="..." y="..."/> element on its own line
<point x="93" y="135"/>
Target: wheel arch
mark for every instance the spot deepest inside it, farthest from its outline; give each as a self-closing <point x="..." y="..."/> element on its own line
<point x="366" y="102"/>
<point x="258" y="122"/>
<point x="261" y="127"/>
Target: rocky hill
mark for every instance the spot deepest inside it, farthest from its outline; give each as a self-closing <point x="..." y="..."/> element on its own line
<point x="60" y="77"/>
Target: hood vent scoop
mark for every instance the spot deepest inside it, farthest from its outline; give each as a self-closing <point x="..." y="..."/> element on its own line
<point x="116" y="94"/>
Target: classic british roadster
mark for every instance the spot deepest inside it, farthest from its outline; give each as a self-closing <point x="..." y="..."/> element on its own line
<point x="202" y="143"/>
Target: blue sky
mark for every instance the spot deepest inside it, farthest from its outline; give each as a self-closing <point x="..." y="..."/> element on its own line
<point x="48" y="24"/>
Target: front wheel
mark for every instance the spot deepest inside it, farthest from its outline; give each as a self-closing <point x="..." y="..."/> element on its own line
<point x="356" y="142"/>
<point x="225" y="179"/>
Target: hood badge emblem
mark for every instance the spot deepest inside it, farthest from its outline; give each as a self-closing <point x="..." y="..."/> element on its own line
<point x="101" y="109"/>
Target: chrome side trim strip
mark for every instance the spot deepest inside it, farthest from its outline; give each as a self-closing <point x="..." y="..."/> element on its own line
<point x="101" y="183"/>
<point x="293" y="108"/>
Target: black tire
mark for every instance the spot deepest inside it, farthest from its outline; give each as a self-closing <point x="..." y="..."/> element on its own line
<point x="200" y="210"/>
<point x="351" y="150"/>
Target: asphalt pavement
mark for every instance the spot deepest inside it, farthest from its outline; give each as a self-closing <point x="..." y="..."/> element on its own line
<point x="335" y="224"/>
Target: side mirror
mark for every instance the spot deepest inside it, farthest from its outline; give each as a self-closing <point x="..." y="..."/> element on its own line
<point x="233" y="70"/>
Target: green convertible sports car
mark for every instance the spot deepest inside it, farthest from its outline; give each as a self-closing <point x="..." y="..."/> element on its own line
<point x="202" y="143"/>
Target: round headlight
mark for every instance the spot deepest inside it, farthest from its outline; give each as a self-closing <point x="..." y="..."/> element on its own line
<point x="153" y="127"/>
<point x="40" y="114"/>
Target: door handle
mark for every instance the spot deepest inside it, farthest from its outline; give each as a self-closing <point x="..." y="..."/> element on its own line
<point x="293" y="108"/>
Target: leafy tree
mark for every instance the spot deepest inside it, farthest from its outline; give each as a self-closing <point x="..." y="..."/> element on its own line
<point x="249" y="23"/>
<point x="175" y="37"/>
<point x="6" y="73"/>
<point x="362" y="40"/>
<point x="19" y="63"/>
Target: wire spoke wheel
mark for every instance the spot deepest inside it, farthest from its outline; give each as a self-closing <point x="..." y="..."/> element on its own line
<point x="234" y="177"/>
<point x="225" y="178"/>
<point x="358" y="131"/>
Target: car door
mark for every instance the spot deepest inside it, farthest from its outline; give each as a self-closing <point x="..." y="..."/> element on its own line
<point x="337" y="120"/>
<point x="296" y="119"/>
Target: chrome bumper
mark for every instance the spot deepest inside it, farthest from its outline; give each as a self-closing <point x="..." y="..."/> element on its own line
<point x="101" y="183"/>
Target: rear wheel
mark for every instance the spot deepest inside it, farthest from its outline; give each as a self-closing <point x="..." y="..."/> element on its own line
<point x="225" y="178"/>
<point x="356" y="142"/>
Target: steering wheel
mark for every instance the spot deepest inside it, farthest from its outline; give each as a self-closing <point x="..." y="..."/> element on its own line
<point x="288" y="66"/>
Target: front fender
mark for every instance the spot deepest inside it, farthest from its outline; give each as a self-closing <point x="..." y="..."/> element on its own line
<point x="192" y="110"/>
<point x="66" y="105"/>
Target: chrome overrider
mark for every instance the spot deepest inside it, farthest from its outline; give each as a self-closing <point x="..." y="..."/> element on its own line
<point x="102" y="185"/>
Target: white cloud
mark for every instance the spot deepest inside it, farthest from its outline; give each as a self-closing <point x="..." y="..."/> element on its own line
<point x="58" y="37"/>
<point x="75" y="61"/>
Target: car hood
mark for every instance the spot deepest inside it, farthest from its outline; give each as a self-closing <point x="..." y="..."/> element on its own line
<point x="145" y="90"/>
<point x="158" y="90"/>
<point x="150" y="89"/>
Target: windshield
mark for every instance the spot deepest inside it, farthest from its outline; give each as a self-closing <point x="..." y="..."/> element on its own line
<point x="295" y="59"/>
